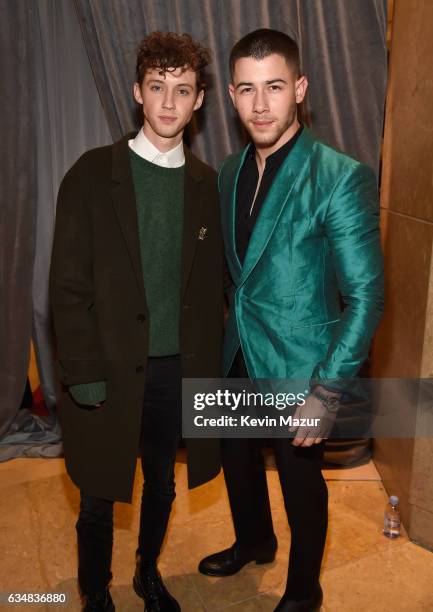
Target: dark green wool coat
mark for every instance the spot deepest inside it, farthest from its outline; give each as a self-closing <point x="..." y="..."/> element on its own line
<point x="101" y="318"/>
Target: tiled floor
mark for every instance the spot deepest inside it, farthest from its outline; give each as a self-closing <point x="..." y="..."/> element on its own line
<point x="362" y="570"/>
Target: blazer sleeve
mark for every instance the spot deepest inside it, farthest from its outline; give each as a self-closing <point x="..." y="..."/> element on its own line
<point x="352" y="227"/>
<point x="71" y="281"/>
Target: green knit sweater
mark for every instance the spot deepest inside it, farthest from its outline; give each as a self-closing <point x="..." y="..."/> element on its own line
<point x="159" y="196"/>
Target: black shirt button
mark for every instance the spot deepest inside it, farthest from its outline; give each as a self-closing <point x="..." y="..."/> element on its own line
<point x="141" y="318"/>
<point x="139" y="369"/>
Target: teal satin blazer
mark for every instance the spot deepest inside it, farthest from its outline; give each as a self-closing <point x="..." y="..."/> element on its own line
<point x="317" y="235"/>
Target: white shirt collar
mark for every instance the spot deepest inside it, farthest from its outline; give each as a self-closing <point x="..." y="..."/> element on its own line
<point x="143" y="147"/>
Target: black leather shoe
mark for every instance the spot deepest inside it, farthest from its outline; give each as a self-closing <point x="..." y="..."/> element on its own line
<point x="99" y="602"/>
<point x="312" y="604"/>
<point x="231" y="560"/>
<point x="149" y="586"/>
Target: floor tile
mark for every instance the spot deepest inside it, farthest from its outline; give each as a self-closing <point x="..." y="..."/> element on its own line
<point x="362" y="568"/>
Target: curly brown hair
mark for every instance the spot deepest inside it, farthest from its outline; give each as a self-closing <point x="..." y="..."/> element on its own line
<point x="168" y="51"/>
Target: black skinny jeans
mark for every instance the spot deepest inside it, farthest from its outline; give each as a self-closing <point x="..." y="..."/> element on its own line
<point x="160" y="436"/>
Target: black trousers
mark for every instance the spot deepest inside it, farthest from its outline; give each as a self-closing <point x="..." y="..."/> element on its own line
<point x="305" y="498"/>
<point x="160" y="435"/>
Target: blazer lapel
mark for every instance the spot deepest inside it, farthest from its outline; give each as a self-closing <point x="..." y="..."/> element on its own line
<point x="123" y="196"/>
<point x="281" y="191"/>
<point x="193" y="205"/>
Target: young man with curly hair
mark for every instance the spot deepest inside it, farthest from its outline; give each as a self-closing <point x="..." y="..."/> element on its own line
<point x="137" y="298"/>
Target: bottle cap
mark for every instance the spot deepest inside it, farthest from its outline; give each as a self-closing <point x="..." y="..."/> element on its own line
<point x="393" y="500"/>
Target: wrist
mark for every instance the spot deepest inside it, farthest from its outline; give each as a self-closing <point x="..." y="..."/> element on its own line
<point x="329" y="399"/>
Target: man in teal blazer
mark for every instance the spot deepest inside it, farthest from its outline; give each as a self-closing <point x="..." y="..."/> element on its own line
<point x="301" y="230"/>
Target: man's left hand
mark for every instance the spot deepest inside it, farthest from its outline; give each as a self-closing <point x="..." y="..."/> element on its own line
<point x="320" y="419"/>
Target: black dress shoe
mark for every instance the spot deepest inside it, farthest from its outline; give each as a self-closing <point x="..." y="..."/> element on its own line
<point x="149" y="586"/>
<point x="231" y="560"/>
<point x="312" y="604"/>
<point x="99" y="602"/>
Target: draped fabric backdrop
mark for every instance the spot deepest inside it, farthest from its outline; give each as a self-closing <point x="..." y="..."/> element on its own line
<point x="53" y="114"/>
<point x="18" y="194"/>
<point x="69" y="67"/>
<point x="70" y="120"/>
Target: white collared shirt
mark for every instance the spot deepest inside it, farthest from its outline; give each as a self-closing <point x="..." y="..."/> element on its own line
<point x="144" y="148"/>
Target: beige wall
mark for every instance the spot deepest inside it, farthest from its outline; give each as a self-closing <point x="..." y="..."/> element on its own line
<point x="404" y="343"/>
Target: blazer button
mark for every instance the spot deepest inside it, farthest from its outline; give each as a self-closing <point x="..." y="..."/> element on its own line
<point x="186" y="306"/>
<point x="141" y="318"/>
<point x="139" y="369"/>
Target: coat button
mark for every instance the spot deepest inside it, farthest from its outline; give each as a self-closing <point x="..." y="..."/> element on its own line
<point x="139" y="369"/>
<point x="186" y="306"/>
<point x="141" y="318"/>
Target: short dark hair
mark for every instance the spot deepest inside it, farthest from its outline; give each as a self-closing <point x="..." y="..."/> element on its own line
<point x="167" y="50"/>
<point x="261" y="43"/>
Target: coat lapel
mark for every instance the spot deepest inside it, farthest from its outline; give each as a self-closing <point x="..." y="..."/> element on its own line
<point x="123" y="195"/>
<point x="281" y="191"/>
<point x="229" y="175"/>
<point x="192" y="217"/>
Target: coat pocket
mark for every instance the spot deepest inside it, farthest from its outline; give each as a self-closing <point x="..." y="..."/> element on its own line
<point x="319" y="324"/>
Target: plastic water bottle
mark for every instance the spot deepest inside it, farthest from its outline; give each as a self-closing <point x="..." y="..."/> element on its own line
<point x="391" y="526"/>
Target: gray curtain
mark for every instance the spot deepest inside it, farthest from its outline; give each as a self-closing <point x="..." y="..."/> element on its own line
<point x="343" y="50"/>
<point x="52" y="115"/>
<point x="343" y="45"/>
<point x="70" y="121"/>
<point x="18" y="193"/>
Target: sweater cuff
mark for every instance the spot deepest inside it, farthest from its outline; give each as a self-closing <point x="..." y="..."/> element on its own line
<point x="89" y="393"/>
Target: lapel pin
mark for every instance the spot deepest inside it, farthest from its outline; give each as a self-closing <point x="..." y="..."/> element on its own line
<point x="202" y="233"/>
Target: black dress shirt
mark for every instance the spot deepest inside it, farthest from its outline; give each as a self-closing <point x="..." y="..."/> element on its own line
<point x="247" y="184"/>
